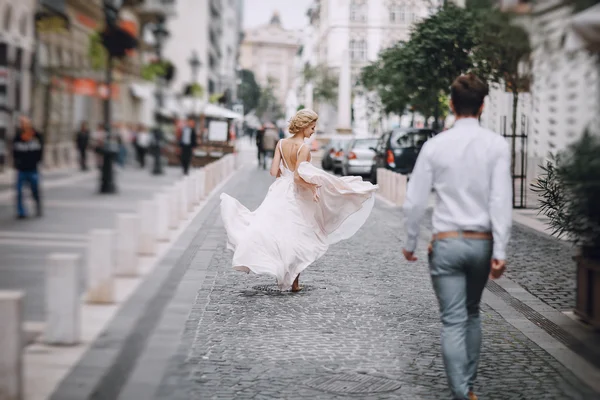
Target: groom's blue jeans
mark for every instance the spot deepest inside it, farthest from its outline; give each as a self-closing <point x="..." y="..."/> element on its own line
<point x="459" y="271"/>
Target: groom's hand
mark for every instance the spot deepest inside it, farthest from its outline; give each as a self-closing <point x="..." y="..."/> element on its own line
<point x="498" y="268"/>
<point x="409" y="255"/>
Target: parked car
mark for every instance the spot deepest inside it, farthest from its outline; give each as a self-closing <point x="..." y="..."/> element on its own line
<point x="398" y="149"/>
<point x="333" y="152"/>
<point x="359" y="157"/>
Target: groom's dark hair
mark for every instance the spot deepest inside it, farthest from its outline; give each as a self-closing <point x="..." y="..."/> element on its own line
<point x="467" y="93"/>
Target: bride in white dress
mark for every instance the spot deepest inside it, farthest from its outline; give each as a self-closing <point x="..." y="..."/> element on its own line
<point x="304" y="211"/>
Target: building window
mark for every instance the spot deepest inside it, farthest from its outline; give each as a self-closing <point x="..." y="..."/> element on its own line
<point x="23" y="25"/>
<point x="7" y="18"/>
<point x="358" y="11"/>
<point x="397" y="13"/>
<point x="358" y="50"/>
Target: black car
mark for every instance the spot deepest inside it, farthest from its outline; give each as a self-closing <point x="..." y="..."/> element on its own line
<point x="398" y="149"/>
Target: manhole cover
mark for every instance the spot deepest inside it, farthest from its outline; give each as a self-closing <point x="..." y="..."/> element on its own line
<point x="274" y="289"/>
<point x="353" y="384"/>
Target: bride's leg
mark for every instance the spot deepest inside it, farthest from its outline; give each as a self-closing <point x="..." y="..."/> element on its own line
<point x="296" y="286"/>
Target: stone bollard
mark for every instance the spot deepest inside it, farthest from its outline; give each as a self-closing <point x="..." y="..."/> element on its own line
<point x="63" y="320"/>
<point x="400" y="189"/>
<point x="209" y="178"/>
<point x="11" y="345"/>
<point x="191" y="192"/>
<point x="148" y="225"/>
<point x="385" y="181"/>
<point x="200" y="185"/>
<point x="127" y="244"/>
<point x="183" y="199"/>
<point x="162" y="217"/>
<point x="390" y="180"/>
<point x="100" y="280"/>
<point x="393" y="187"/>
<point x="173" y="207"/>
<point x="380" y="179"/>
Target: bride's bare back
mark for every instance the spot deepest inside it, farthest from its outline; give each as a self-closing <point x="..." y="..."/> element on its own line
<point x="290" y="152"/>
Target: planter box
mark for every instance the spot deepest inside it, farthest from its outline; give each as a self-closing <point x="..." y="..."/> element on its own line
<point x="587" y="304"/>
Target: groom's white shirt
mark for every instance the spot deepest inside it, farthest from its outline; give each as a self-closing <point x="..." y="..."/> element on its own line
<point x="469" y="169"/>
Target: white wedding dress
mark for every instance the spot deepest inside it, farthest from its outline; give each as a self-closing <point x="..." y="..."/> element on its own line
<point x="289" y="230"/>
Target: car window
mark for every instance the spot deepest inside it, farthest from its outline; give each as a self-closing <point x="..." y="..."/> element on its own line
<point x="365" y="143"/>
<point x="410" y="138"/>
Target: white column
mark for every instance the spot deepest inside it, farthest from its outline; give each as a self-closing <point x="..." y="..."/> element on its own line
<point x="127" y="244"/>
<point x="344" y="113"/>
<point x="308" y="95"/>
<point x="173" y="195"/>
<point x="11" y="345"/>
<point x="100" y="280"/>
<point x="162" y="216"/>
<point x="62" y="299"/>
<point x="148" y="225"/>
<point x="380" y="180"/>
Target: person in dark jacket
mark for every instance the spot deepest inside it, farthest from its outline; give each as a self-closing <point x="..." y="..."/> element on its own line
<point x="187" y="143"/>
<point x="28" y="149"/>
<point x="260" y="146"/>
<point x="82" y="141"/>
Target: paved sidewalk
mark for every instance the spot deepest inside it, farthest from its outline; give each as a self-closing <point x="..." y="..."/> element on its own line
<point x="368" y="323"/>
<point x="71" y="209"/>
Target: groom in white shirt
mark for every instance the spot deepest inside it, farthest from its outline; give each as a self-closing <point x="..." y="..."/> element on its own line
<point x="468" y="169"/>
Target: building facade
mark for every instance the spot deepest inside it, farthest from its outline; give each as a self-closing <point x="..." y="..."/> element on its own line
<point x="363" y="29"/>
<point x="210" y="29"/>
<point x="269" y="51"/>
<point x="17" y="49"/>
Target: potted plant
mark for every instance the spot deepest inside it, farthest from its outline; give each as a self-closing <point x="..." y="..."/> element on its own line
<point x="569" y="191"/>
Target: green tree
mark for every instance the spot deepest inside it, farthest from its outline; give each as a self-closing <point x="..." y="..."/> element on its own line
<point x="325" y="82"/>
<point x="439" y="50"/>
<point x="503" y="47"/>
<point x="390" y="87"/>
<point x="268" y="107"/>
<point x="249" y="90"/>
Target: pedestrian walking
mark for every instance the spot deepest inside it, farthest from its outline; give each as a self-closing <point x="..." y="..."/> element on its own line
<point x="468" y="168"/>
<point x="187" y="142"/>
<point x="142" y="141"/>
<point x="82" y="142"/>
<point x="260" y="135"/>
<point x="98" y="139"/>
<point x="270" y="139"/>
<point x="297" y="221"/>
<point x="28" y="150"/>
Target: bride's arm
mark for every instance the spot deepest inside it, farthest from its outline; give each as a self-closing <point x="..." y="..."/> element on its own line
<point x="275" y="163"/>
<point x="302" y="157"/>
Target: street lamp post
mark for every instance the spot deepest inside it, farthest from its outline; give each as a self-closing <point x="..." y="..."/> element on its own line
<point x="109" y="151"/>
<point x="160" y="35"/>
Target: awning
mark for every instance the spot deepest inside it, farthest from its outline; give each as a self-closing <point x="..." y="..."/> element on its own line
<point x="585" y="30"/>
<point x="214" y="111"/>
<point x="200" y="107"/>
<point x="141" y="90"/>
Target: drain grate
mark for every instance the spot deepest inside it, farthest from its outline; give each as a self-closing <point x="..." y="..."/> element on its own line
<point x="353" y="384"/>
<point x="274" y="289"/>
<point x="558" y="333"/>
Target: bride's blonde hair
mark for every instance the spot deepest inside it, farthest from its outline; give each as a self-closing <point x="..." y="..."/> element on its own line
<point x="302" y="120"/>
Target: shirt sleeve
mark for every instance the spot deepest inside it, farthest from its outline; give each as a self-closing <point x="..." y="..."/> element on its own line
<point x="501" y="202"/>
<point x="417" y="197"/>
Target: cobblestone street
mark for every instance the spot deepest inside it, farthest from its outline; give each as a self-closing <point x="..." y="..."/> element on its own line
<point x="366" y="325"/>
